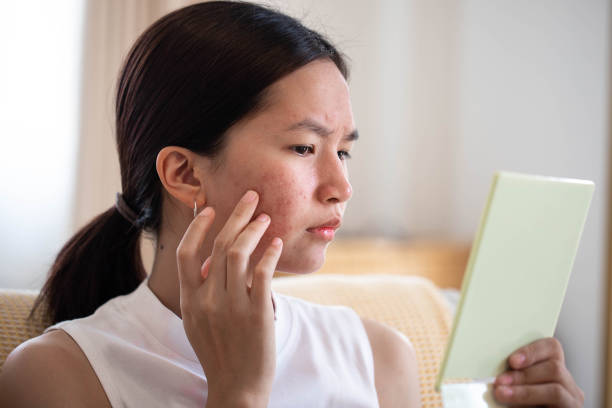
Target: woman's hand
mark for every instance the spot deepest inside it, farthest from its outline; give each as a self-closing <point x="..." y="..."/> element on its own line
<point x="538" y="376"/>
<point x="230" y="327"/>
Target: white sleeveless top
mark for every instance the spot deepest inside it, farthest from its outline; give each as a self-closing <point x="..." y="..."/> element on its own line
<point x="139" y="350"/>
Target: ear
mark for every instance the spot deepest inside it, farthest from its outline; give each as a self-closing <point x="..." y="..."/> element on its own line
<point x="182" y="173"/>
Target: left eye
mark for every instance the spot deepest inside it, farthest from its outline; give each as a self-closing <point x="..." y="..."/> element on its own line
<point x="302" y="150"/>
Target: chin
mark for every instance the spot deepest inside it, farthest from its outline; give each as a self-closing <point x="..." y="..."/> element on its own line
<point x="303" y="265"/>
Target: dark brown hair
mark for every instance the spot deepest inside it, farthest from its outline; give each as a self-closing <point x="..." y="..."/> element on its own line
<point x="188" y="78"/>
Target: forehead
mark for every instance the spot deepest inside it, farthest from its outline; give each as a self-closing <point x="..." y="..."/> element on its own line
<point x="317" y="91"/>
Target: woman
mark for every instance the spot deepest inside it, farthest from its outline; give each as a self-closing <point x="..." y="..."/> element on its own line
<point x="234" y="125"/>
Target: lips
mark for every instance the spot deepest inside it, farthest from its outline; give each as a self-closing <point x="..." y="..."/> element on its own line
<point x="326" y="230"/>
<point x="332" y="224"/>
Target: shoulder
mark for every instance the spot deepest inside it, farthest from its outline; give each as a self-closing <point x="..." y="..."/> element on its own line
<point x="395" y="365"/>
<point x="50" y="370"/>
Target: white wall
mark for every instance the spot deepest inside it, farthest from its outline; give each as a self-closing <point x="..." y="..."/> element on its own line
<point x="534" y="97"/>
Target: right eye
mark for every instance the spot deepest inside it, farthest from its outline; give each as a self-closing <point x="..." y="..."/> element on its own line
<point x="302" y="150"/>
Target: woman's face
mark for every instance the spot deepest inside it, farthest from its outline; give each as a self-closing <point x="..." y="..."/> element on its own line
<point x="293" y="153"/>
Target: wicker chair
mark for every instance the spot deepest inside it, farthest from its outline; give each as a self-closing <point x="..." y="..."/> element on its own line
<point x="411" y="304"/>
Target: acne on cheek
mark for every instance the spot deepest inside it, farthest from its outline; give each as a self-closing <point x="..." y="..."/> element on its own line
<point x="280" y="196"/>
<point x="284" y="196"/>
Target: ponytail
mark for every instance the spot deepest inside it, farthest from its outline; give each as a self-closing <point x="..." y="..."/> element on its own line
<point x="101" y="261"/>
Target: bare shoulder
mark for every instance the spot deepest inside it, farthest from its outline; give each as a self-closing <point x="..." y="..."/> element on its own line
<point x="395" y="366"/>
<point x="50" y="370"/>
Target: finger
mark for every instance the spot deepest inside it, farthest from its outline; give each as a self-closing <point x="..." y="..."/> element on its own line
<point x="236" y="222"/>
<point x="535" y="352"/>
<point x="262" y="276"/>
<point x="528" y="395"/>
<point x="240" y="252"/>
<point x="188" y="256"/>
<point x="549" y="371"/>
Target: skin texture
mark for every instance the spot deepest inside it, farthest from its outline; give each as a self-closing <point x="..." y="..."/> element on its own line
<point x="297" y="189"/>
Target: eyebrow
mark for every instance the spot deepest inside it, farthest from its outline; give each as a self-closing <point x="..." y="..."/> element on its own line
<point x="319" y="129"/>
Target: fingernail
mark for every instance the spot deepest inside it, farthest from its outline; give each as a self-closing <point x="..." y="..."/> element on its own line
<point x="249" y="196"/>
<point x="276" y="242"/>
<point x="505" y="391"/>
<point x="263" y="218"/>
<point x="205" y="267"/>
<point x="206" y="212"/>
<point x="504" y="379"/>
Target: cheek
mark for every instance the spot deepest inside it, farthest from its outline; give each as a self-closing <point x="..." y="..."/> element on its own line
<point x="287" y="196"/>
<point x="284" y="197"/>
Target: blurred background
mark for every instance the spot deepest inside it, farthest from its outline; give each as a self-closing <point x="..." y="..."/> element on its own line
<point x="444" y="93"/>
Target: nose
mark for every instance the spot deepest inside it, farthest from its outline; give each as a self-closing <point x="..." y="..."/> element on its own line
<point x="334" y="185"/>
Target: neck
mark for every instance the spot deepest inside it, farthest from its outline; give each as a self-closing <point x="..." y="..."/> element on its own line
<point x="163" y="280"/>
